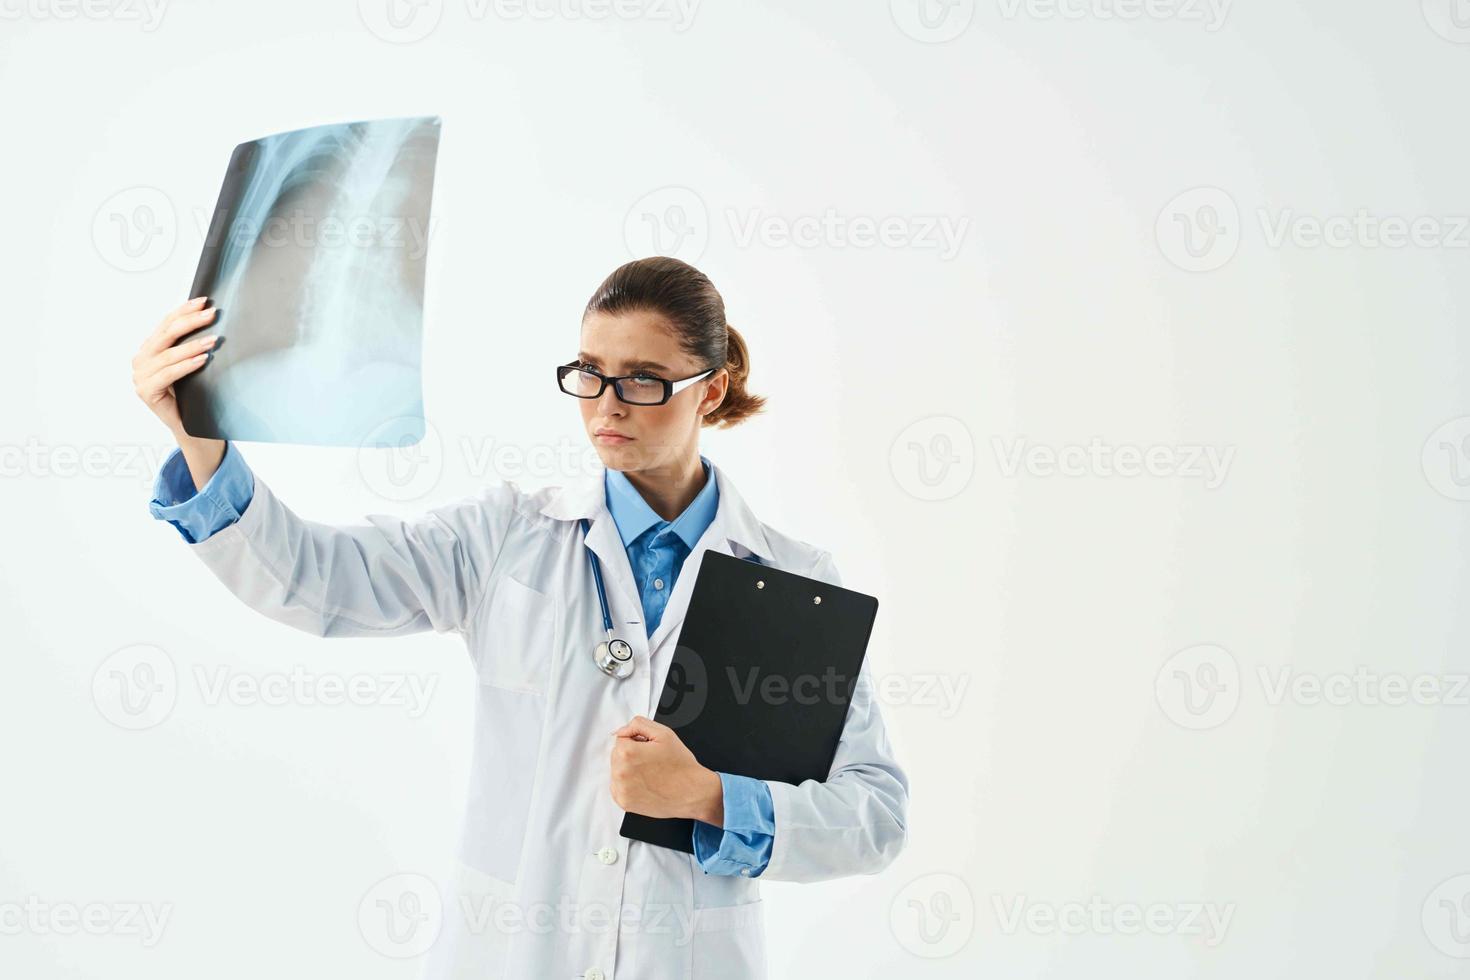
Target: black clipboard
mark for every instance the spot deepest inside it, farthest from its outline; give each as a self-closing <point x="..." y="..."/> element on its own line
<point x="762" y="676"/>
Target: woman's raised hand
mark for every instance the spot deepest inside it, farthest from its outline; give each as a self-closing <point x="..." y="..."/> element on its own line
<point x="161" y="361"/>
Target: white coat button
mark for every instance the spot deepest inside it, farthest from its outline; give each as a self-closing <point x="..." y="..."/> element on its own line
<point x="658" y="583"/>
<point x="745" y="871"/>
<point x="592" y="973"/>
<point x="608" y="855"/>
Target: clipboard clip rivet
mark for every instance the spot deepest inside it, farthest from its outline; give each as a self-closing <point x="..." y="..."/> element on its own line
<point x="760" y="584"/>
<point x="816" y="600"/>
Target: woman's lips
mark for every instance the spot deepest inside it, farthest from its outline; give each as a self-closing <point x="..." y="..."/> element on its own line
<point x="613" y="438"/>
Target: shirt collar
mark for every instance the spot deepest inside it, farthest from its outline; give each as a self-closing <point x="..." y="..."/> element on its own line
<point x="586" y="498"/>
<point x="633" y="516"/>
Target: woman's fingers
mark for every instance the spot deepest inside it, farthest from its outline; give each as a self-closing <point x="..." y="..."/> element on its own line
<point x="188" y="306"/>
<point x="161" y="379"/>
<point x="187" y="316"/>
<point x="188" y="321"/>
<point x="170" y="356"/>
<point x="193" y="303"/>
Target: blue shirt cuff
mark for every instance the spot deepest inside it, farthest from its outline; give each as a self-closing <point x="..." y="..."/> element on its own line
<point x="198" y="514"/>
<point x="743" y="845"/>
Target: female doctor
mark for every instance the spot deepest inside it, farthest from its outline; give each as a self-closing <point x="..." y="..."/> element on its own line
<point x="564" y="742"/>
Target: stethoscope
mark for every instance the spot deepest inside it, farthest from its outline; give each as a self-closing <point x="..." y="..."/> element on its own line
<point x="613" y="656"/>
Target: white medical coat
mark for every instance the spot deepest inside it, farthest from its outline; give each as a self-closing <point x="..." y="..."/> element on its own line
<point x="507" y="570"/>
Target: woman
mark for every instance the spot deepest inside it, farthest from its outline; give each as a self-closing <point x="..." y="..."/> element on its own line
<point x="547" y="887"/>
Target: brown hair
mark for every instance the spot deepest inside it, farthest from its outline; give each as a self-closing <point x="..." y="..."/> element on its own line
<point x="686" y="298"/>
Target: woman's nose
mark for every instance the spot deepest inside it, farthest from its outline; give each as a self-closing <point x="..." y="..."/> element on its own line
<point x="607" y="402"/>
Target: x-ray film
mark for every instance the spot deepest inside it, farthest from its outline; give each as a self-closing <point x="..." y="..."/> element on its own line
<point x="315" y="258"/>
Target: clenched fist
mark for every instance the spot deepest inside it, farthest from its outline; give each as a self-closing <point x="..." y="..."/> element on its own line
<point x="655" y="774"/>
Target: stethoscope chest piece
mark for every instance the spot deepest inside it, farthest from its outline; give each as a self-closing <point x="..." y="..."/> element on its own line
<point x="614" y="658"/>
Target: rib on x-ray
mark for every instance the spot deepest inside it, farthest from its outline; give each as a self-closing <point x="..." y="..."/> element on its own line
<point x="315" y="257"/>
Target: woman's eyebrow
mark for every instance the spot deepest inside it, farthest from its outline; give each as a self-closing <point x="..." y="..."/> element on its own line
<point x="634" y="365"/>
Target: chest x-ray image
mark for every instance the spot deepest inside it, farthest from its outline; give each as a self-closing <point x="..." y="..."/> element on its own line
<point x="315" y="258"/>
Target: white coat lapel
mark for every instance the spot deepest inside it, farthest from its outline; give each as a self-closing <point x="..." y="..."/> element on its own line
<point x="587" y="499"/>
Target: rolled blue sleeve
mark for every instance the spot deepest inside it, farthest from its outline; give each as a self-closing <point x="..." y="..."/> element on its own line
<point x="743" y="845"/>
<point x="199" y="513"/>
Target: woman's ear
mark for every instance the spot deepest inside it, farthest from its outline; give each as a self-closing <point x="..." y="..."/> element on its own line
<point x="714" y="392"/>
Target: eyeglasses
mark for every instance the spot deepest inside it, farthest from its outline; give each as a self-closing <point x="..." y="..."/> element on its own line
<point x="633" y="389"/>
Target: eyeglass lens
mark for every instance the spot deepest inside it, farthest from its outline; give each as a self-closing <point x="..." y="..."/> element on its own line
<point x="584" y="384"/>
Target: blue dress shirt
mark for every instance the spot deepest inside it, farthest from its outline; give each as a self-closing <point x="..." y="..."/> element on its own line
<point x="656" y="551"/>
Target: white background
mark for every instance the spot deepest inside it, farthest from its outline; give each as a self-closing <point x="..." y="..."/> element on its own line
<point x="1136" y="189"/>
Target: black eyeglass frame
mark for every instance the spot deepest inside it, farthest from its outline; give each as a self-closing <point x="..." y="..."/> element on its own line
<point x="671" y="388"/>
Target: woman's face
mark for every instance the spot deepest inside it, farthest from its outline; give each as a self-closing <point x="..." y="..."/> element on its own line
<point x="657" y="437"/>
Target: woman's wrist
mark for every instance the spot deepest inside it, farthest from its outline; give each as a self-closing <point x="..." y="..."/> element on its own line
<point x="709" y="806"/>
<point x="202" y="456"/>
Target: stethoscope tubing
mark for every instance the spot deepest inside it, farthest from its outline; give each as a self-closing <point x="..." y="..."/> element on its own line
<point x="597" y="577"/>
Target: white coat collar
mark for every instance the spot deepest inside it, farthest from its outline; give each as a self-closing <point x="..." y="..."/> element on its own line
<point x="733" y="518"/>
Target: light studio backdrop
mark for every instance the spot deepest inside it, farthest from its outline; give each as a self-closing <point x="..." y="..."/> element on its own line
<point x="1120" y="348"/>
